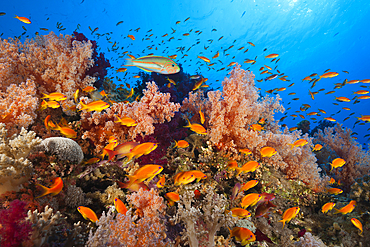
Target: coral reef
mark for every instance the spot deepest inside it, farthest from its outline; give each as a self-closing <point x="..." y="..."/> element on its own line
<point x="15" y="168"/>
<point x="154" y="107"/>
<point x="342" y="145"/>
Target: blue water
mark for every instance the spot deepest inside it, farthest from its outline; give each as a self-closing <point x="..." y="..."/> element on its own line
<point x="310" y="37"/>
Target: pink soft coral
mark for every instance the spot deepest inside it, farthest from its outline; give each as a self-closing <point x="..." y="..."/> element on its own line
<point x="154" y="107"/>
<point x="18" y="106"/>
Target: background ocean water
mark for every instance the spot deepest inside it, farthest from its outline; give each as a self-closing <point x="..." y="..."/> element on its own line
<point x="310" y="37"/>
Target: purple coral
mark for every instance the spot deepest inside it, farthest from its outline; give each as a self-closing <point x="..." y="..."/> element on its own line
<point x="14" y="229"/>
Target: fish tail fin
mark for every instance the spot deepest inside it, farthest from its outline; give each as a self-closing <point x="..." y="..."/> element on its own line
<point x="283" y="221"/>
<point x="337" y="211"/>
<point x="239" y="170"/>
<point x="83" y="106"/>
<point x="175" y="144"/>
<point x="129" y="62"/>
<point x="45" y="95"/>
<point x="291" y="146"/>
<point x="118" y="120"/>
<point x="130" y="156"/>
<point x="110" y="153"/>
<point x="45" y="191"/>
<point x="188" y="126"/>
<point x="331" y="168"/>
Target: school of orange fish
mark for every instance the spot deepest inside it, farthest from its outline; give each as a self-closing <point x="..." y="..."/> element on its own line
<point x="133" y="150"/>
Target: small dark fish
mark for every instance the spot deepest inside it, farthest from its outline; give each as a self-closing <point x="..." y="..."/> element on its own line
<point x="2" y="13"/>
<point x="263" y="208"/>
<point x="120" y="22"/>
<point x="243" y="14"/>
<point x="336" y="34"/>
<point x="265" y="49"/>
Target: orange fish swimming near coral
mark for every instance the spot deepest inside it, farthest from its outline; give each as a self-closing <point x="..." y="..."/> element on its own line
<point x="120" y="206"/>
<point x="242" y="235"/>
<point x="327" y="207"/>
<point x="23" y="19"/>
<point x="357" y="224"/>
<point x="54" y="96"/>
<point x="172" y="197"/>
<point x="250" y="200"/>
<point x="239" y="212"/>
<point x="338" y="162"/>
<point x="346" y="209"/>
<point x="197" y="128"/>
<point x="250" y="166"/>
<point x="98" y="106"/>
<point x="298" y="143"/>
<point x="289" y="214"/>
<point x="147" y="172"/>
<point x="248" y="185"/>
<point x="141" y="149"/>
<point x="268" y="151"/>
<point x="54" y="189"/>
<point x="88" y="213"/>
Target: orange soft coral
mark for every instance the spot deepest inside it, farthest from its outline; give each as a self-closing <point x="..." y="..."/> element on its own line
<point x="18" y="106"/>
<point x="55" y="64"/>
<point x="154" y="107"/>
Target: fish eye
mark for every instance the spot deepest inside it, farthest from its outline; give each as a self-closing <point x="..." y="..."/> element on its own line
<point x="173" y="65"/>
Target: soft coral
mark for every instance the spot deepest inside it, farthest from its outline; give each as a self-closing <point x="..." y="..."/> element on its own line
<point x="15" y="230"/>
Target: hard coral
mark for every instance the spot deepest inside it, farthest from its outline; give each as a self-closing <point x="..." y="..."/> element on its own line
<point x="15" y="168"/>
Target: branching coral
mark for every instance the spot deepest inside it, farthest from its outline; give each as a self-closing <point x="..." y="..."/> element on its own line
<point x="42" y="224"/>
<point x="154" y="107"/>
<point x="15" y="168"/>
<point x="340" y="141"/>
<point x="204" y="218"/>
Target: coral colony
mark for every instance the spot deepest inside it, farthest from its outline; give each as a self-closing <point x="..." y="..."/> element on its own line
<point x="168" y="162"/>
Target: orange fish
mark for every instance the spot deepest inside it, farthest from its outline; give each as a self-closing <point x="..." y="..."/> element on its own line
<point x="317" y="147"/>
<point x="88" y="89"/>
<point x="239" y="212"/>
<point x="273" y="55"/>
<point x="202" y="119"/>
<point x="75" y="95"/>
<point x="131" y="36"/>
<point x="289" y="214"/>
<point x="54" y="189"/>
<point x="365" y="118"/>
<point x="343" y="99"/>
<point x="245" y="151"/>
<point x="134" y="187"/>
<point x="54" y="96"/>
<point x="329" y="75"/>
<point x="126" y="121"/>
<point x="251" y="43"/>
<point x="147" y="172"/>
<point x="66" y="131"/>
<point x="250" y="200"/>
<point x="232" y="165"/>
<point x="357" y="224"/>
<point x="298" y="143"/>
<point x="256" y="127"/>
<point x="330" y="119"/>
<point x="338" y="162"/>
<point x="216" y="56"/>
<point x="122" y="150"/>
<point x="268" y="151"/>
<point x="361" y="92"/>
<point x="98" y="106"/>
<point x="204" y="59"/>
<point x="48" y="123"/>
<point x="346" y="209"/>
<point x="327" y="207"/>
<point x="51" y="104"/>
<point x="197" y="128"/>
<point x="242" y="235"/>
<point x="189" y="176"/>
<point x="248" y="185"/>
<point x="92" y="161"/>
<point x="364" y="97"/>
<point x="161" y="182"/>
<point x="23" y="19"/>
<point x="332" y="181"/>
<point x="334" y="191"/>
<point x="120" y="206"/>
<point x="121" y="70"/>
<point x="172" y="197"/>
<point x="142" y="149"/>
<point x="181" y="144"/>
<point x="250" y="166"/>
<point x="88" y="213"/>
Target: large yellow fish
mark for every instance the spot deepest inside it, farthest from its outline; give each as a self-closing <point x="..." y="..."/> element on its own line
<point x="159" y="64"/>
